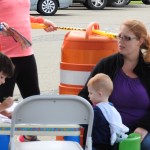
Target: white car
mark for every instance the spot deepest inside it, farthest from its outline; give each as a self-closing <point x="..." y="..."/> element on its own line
<point x="49" y="7"/>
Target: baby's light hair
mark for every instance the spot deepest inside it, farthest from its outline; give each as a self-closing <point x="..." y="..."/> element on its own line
<point x="101" y="82"/>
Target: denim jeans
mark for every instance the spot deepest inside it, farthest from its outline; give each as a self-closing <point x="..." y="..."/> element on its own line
<point x="145" y="145"/>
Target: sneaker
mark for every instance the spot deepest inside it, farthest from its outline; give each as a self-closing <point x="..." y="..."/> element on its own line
<point x="22" y="138"/>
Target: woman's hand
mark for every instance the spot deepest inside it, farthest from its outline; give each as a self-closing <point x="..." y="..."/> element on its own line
<point x="142" y="132"/>
<point x="50" y="26"/>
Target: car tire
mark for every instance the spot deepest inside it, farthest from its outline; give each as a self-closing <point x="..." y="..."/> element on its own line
<point x="147" y="2"/>
<point x="95" y="4"/>
<point x="47" y="7"/>
<point x="128" y="2"/>
<point x="119" y="3"/>
<point x="86" y="5"/>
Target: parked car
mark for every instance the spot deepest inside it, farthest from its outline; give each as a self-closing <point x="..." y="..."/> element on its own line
<point x="147" y="2"/>
<point x="49" y="7"/>
<point x="128" y="2"/>
<point x="118" y="3"/>
<point x="92" y="4"/>
<point x="100" y="4"/>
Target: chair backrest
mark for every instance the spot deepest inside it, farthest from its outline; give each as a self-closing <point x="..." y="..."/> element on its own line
<point x="53" y="109"/>
<point x="133" y="142"/>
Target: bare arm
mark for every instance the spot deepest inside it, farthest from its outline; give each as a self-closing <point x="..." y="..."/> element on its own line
<point x="50" y="26"/>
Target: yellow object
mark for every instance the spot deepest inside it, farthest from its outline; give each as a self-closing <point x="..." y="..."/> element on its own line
<point x="42" y="26"/>
<point x="102" y="33"/>
<point x="37" y="26"/>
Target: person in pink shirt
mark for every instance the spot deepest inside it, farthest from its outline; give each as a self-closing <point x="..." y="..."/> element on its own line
<point x="16" y="14"/>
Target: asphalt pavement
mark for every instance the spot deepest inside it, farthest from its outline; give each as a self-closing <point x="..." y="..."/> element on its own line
<point x="47" y="46"/>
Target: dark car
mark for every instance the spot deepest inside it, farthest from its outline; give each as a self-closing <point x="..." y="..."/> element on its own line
<point x="100" y="4"/>
<point x="147" y="2"/>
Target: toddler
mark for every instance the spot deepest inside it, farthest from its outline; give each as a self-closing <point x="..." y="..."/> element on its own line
<point x="108" y="127"/>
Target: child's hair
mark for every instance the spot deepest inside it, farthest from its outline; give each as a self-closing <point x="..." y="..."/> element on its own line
<point x="6" y="65"/>
<point x="101" y="82"/>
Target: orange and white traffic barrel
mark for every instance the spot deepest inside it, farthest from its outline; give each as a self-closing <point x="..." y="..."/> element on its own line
<point x="80" y="51"/>
<point x="73" y="77"/>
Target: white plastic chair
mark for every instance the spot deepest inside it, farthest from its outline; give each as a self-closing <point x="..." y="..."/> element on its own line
<point x="52" y="109"/>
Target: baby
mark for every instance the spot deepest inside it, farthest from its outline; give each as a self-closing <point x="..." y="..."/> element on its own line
<point x="108" y="127"/>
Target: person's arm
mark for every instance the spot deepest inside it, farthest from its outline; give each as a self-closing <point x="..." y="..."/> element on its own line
<point x="145" y="122"/>
<point x="97" y="69"/>
<point x="50" y="25"/>
<point x="107" y="65"/>
<point x="6" y="104"/>
<point x="36" y="19"/>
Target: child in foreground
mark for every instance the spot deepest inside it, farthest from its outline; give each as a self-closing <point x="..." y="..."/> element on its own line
<point x="108" y="128"/>
<point x="6" y="71"/>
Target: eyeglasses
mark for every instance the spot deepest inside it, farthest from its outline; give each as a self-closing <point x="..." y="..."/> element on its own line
<point x="125" y="38"/>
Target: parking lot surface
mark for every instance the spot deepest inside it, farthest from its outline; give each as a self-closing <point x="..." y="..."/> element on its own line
<point x="47" y="46"/>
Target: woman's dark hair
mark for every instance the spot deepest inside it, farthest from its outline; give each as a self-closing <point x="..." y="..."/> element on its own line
<point x="6" y="65"/>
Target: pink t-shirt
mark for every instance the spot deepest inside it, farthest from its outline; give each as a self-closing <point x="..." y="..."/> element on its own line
<point x="16" y="13"/>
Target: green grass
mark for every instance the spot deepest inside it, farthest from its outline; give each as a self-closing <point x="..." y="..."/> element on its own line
<point x="136" y="2"/>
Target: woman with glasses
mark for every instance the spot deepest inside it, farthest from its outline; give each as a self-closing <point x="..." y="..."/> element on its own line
<point x="129" y="70"/>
